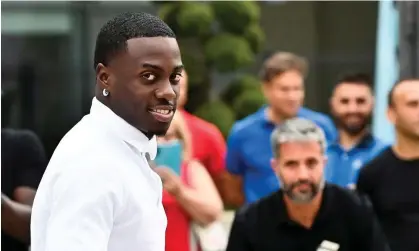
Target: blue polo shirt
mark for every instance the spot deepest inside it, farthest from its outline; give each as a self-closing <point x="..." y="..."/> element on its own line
<point x="343" y="165"/>
<point x="249" y="151"/>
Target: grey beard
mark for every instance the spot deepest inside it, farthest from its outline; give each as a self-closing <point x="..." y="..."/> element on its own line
<point x="303" y="198"/>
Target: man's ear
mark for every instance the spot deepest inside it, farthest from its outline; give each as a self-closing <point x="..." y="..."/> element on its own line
<point x="274" y="163"/>
<point x="325" y="159"/>
<point x="391" y="116"/>
<point x="103" y="76"/>
<point x="265" y="88"/>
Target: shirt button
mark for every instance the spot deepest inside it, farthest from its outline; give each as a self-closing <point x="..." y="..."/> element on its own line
<point x="345" y="156"/>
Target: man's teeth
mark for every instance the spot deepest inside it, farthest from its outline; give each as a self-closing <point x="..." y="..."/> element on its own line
<point x="162" y="111"/>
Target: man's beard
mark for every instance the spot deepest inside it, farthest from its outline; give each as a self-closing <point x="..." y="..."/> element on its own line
<point x="353" y="128"/>
<point x="300" y="197"/>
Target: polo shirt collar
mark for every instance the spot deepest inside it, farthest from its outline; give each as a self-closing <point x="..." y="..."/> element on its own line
<point x="123" y="129"/>
<point x="365" y="141"/>
<point x="263" y="115"/>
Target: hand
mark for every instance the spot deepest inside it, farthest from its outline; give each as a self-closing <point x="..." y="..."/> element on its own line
<point x="171" y="182"/>
<point x="4" y="199"/>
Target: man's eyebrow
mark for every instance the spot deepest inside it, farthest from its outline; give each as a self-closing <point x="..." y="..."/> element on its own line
<point x="179" y="68"/>
<point x="147" y="65"/>
<point x="156" y="67"/>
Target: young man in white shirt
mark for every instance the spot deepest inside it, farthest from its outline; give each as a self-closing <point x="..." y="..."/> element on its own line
<point x="98" y="192"/>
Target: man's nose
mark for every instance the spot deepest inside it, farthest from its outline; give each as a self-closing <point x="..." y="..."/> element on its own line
<point x="294" y="95"/>
<point x="167" y="92"/>
<point x="352" y="107"/>
<point x="303" y="172"/>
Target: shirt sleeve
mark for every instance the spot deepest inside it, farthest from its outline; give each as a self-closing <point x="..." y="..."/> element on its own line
<point x="30" y="161"/>
<point x="83" y="211"/>
<point x="234" y="161"/>
<point x="238" y="239"/>
<point x="216" y="160"/>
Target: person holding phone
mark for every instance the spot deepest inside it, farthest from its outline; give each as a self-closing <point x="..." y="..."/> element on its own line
<point x="189" y="195"/>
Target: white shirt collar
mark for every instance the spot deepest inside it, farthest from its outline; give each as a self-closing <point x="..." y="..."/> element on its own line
<point x="123" y="129"/>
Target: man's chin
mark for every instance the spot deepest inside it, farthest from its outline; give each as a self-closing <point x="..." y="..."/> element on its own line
<point x="159" y="132"/>
<point x="355" y="130"/>
<point x="301" y="198"/>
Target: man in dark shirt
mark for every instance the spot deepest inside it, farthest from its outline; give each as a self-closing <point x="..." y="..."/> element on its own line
<point x="391" y="180"/>
<point x="23" y="162"/>
<point x="305" y="214"/>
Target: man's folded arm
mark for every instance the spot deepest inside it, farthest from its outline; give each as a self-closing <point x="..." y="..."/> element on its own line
<point x="83" y="212"/>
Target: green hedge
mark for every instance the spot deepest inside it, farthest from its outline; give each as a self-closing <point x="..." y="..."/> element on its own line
<point x="219" y="114"/>
<point x="247" y="103"/>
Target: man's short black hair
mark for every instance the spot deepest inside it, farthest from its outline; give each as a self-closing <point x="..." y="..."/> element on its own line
<point x="390" y="98"/>
<point x="356" y="78"/>
<point x="116" y="32"/>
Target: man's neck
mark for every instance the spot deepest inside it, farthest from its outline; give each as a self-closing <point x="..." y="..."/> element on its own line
<point x="274" y="117"/>
<point x="348" y="141"/>
<point x="406" y="147"/>
<point x="303" y="213"/>
<point x="104" y="101"/>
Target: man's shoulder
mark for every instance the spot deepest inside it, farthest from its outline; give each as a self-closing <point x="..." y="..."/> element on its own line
<point x="344" y="195"/>
<point x="380" y="160"/>
<point x="84" y="164"/>
<point x="85" y="146"/>
<point x="322" y="120"/>
<point x="349" y="200"/>
<point x="379" y="146"/>
<point x="258" y="210"/>
<point x="247" y="123"/>
<point x="315" y="116"/>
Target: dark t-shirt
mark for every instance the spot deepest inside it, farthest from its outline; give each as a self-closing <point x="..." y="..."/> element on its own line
<point x="345" y="222"/>
<point x="23" y="162"/>
<point x="392" y="185"/>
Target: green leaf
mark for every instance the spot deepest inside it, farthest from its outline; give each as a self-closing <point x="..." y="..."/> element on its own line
<point x="195" y="19"/>
<point x="228" y="52"/>
<point x="219" y="114"/>
<point x="247" y="103"/>
<point x="235" y="16"/>
<point x="255" y="36"/>
<point x="238" y="86"/>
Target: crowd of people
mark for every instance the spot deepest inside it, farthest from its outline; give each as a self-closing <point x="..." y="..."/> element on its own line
<point x="299" y="179"/>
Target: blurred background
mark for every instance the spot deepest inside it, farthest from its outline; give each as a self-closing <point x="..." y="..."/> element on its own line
<point x="47" y="53"/>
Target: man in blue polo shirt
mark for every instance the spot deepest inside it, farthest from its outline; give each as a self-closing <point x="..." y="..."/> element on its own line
<point x="248" y="150"/>
<point x="351" y="103"/>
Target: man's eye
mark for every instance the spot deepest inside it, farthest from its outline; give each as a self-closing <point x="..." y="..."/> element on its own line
<point x="149" y="76"/>
<point x="176" y="77"/>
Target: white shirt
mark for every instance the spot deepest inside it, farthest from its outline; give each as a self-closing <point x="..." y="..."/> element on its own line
<point x="98" y="192"/>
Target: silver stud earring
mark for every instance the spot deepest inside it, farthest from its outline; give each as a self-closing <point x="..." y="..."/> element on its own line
<point x="105" y="92"/>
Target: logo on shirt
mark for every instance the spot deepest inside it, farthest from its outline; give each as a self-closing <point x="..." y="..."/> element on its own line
<point x="357" y="164"/>
<point x="328" y="246"/>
